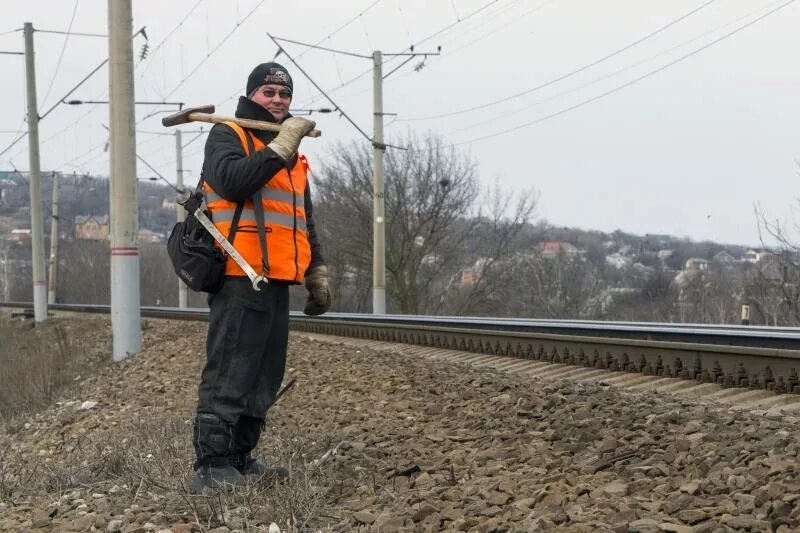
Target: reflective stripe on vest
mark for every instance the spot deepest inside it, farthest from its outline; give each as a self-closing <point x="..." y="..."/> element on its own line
<point x="248" y="217"/>
<point x="267" y="194"/>
<point x="283" y="199"/>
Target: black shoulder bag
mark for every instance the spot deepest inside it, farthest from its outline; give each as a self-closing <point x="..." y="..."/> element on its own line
<point x="195" y="257"/>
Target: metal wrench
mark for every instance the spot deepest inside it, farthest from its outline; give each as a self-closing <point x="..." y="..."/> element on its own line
<point x="200" y="215"/>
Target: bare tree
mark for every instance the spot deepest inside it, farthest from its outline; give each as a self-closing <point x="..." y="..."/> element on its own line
<point x="775" y="282"/>
<point x="563" y="286"/>
<point x="433" y="222"/>
<point x="501" y="236"/>
<point x="85" y="272"/>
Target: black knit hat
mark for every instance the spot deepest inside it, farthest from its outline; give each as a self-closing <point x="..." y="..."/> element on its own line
<point x="268" y="73"/>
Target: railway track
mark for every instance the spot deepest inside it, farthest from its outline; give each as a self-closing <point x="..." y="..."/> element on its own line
<point x="753" y="357"/>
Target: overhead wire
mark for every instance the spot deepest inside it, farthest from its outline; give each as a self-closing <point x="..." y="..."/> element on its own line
<point x="343" y="26"/>
<point x="458" y="21"/>
<point x="352" y="80"/>
<point x="214" y="50"/>
<point x="169" y="35"/>
<point x="209" y="53"/>
<point x="316" y="85"/>
<point x="451" y="53"/>
<point x="480" y="24"/>
<point x="568" y="74"/>
<point x="76" y="33"/>
<point x="61" y="53"/>
<point x="631" y="82"/>
<point x="513" y="20"/>
<point x="616" y="72"/>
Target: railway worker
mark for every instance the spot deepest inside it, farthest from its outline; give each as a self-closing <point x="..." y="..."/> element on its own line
<point x="248" y="329"/>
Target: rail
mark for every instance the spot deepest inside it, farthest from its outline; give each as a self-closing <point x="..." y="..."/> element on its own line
<point x="753" y="357"/>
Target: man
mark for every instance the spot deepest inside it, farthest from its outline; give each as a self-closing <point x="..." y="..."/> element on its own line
<point x="245" y="170"/>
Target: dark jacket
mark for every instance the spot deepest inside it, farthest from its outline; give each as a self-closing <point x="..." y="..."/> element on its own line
<point x="236" y="177"/>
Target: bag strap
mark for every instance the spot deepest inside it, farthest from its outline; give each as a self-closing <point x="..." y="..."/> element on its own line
<point x="235" y="222"/>
<point x="258" y="208"/>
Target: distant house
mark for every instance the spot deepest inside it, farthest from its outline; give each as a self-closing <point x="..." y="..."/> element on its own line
<point x="611" y="296"/>
<point x="665" y="254"/>
<point x="20" y="235"/>
<point x="696" y="264"/>
<point x="644" y="271"/>
<point x="166" y="203"/>
<point x="618" y="261"/>
<point x="431" y="259"/>
<point x="91" y="227"/>
<point x="470" y="276"/>
<point x="725" y="259"/>
<point x="753" y="256"/>
<point x="552" y="249"/>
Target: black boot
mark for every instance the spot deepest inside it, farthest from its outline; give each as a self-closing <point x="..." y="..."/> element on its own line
<point x="213" y="446"/>
<point x="215" y="477"/>
<point x="255" y="467"/>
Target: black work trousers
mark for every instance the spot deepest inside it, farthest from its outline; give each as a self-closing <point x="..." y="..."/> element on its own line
<point x="246" y="357"/>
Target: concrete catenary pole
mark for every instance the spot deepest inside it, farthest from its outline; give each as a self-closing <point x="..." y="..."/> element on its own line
<point x="125" y="317"/>
<point x="35" y="180"/>
<point x="183" y="294"/>
<point x="379" y="223"/>
<point x="53" y="270"/>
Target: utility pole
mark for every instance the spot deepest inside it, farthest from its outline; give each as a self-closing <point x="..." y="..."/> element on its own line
<point x="53" y="281"/>
<point x="378" y="223"/>
<point x="125" y="313"/>
<point x="35" y="181"/>
<point x="183" y="295"/>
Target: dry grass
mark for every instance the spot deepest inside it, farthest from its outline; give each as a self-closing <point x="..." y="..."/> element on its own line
<point x="143" y="457"/>
<point x="148" y="462"/>
<point x="34" y="366"/>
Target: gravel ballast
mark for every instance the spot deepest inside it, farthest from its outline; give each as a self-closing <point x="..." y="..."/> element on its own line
<point x="380" y="441"/>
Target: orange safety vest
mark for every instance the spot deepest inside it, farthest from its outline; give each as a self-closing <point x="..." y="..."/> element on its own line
<point x="283" y="198"/>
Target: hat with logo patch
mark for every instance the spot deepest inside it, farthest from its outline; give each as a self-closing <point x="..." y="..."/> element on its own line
<point x="268" y="73"/>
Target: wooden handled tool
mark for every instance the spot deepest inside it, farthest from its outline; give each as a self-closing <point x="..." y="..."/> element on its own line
<point x="206" y="114"/>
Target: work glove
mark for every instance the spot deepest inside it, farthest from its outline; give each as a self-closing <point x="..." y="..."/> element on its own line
<point x="319" y="294"/>
<point x="293" y="129"/>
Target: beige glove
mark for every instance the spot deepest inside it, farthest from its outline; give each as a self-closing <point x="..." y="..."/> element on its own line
<point x="293" y="129"/>
<point x="319" y="294"/>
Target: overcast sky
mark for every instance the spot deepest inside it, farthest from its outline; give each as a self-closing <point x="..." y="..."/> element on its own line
<point x="687" y="151"/>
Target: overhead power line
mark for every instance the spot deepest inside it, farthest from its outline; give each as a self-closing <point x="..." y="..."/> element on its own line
<point x="14" y="142"/>
<point x="61" y="54"/>
<point x="345" y="115"/>
<point x="466" y="17"/>
<point x="514" y="20"/>
<point x="343" y="26"/>
<point x="327" y="37"/>
<point x="631" y="82"/>
<point x="616" y="72"/>
<point x="214" y="50"/>
<point x="568" y="74"/>
<point x="59" y="102"/>
<point x="458" y="21"/>
<point x="170" y="34"/>
<point x="68" y="32"/>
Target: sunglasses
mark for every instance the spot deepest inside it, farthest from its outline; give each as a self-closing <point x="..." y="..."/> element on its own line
<point x="270" y="93"/>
